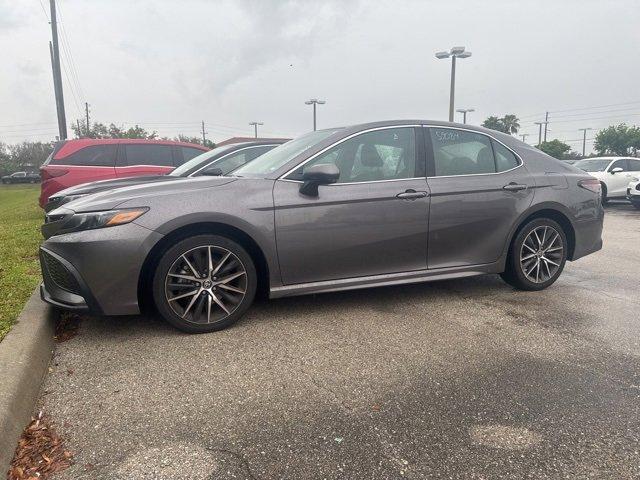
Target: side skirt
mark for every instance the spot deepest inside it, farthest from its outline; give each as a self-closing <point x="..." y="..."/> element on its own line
<point x="417" y="276"/>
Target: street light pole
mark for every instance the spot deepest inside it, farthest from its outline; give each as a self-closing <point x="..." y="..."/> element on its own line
<point x="314" y="102"/>
<point x="464" y="112"/>
<point x="584" y="139"/>
<point x="255" y="128"/>
<point x="455" y="52"/>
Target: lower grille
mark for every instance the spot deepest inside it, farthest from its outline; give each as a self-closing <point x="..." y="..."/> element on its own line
<point x="54" y="272"/>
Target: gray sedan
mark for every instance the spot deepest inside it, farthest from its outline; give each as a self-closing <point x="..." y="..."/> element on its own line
<point x="369" y="205"/>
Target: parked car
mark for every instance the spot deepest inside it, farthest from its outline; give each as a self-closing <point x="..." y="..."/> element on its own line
<point x="633" y="192"/>
<point x="74" y="162"/>
<point x="370" y="205"/>
<point x="21" y="177"/>
<point x="219" y="161"/>
<point x="614" y="174"/>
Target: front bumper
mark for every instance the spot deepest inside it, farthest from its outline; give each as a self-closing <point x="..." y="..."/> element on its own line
<point x="96" y="271"/>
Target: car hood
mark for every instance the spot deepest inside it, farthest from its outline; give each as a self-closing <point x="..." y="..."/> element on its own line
<point x="99" y="186"/>
<point x="110" y="199"/>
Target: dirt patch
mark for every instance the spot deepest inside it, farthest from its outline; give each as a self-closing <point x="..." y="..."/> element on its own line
<point x="67" y="326"/>
<point x="40" y="452"/>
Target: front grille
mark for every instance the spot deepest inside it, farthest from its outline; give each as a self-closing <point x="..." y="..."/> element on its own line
<point x="54" y="272"/>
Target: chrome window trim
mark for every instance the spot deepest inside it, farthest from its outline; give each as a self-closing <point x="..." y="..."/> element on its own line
<point x="281" y="177"/>
<point x="521" y="162"/>
<point x="231" y="153"/>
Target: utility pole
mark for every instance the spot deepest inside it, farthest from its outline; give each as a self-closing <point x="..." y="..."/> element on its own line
<point x="204" y="135"/>
<point x="546" y="122"/>
<point x="584" y="139"/>
<point x="78" y="125"/>
<point x="464" y="112"/>
<point x="524" y="137"/>
<point x="255" y="128"/>
<point x="539" y="132"/>
<point x="57" y="75"/>
<point x="86" y="111"/>
<point x="314" y="102"/>
<point x="454" y="53"/>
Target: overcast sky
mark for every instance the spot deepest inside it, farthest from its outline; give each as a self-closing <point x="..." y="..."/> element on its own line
<point x="167" y="65"/>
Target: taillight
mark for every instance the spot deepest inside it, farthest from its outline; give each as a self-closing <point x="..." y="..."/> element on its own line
<point x="46" y="174"/>
<point x="591" y="184"/>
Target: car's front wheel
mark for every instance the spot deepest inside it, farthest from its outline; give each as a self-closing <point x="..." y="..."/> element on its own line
<point x="537" y="255"/>
<point x="204" y="283"/>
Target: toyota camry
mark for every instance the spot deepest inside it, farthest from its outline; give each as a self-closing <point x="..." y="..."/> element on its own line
<point x="368" y="205"/>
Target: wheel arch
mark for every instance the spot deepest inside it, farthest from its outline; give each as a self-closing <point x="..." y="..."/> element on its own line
<point x="554" y="211"/>
<point x="236" y="234"/>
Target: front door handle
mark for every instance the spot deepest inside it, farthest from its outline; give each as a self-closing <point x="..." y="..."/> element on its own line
<point x="411" y="195"/>
<point x="514" y="187"/>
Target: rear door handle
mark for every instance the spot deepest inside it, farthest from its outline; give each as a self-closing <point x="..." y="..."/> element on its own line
<point x="514" y="187"/>
<point x="411" y="195"/>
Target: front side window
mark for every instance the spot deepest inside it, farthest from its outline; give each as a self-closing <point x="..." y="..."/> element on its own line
<point x="91" y="156"/>
<point x="620" y="164"/>
<point x="387" y="154"/>
<point x="148" y="154"/>
<point x="189" y="152"/>
<point x="459" y="152"/>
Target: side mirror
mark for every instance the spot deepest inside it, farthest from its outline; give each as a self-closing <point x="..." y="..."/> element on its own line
<point x="616" y="170"/>
<point x="211" y="172"/>
<point x="321" y="174"/>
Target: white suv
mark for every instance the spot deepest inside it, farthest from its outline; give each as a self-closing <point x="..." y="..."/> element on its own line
<point x="633" y="192"/>
<point x="614" y="174"/>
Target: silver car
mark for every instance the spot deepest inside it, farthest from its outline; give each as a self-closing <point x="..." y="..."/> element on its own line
<point x="369" y="205"/>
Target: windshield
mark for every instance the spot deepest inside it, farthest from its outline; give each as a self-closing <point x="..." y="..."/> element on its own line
<point x="279" y="156"/>
<point x="187" y="168"/>
<point x="593" y="164"/>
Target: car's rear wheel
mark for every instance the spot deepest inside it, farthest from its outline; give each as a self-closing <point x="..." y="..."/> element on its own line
<point x="204" y="283"/>
<point x="537" y="255"/>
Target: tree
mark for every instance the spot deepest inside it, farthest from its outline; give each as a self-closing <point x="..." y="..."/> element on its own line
<point x="23" y="156"/>
<point x="197" y="140"/>
<point x="508" y="124"/>
<point x="618" y="140"/>
<point x="555" y="148"/>
<point x="100" y="130"/>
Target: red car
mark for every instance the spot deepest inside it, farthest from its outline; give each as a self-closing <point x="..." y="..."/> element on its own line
<point x="86" y="160"/>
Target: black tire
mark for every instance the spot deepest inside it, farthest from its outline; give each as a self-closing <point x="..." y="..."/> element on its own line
<point x="514" y="274"/>
<point x="603" y="194"/>
<point x="174" y="253"/>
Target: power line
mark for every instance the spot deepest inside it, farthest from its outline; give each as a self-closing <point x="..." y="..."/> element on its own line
<point x="67" y="48"/>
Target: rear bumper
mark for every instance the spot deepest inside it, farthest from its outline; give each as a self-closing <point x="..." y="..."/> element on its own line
<point x="588" y="237"/>
<point x="96" y="271"/>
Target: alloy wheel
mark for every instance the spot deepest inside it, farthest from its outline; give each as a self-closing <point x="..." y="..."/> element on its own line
<point x="541" y="254"/>
<point x="205" y="284"/>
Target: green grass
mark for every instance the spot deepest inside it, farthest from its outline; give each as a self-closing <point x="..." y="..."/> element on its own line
<point x="20" y="220"/>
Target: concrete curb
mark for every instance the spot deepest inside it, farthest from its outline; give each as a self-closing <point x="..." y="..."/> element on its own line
<point x="24" y="359"/>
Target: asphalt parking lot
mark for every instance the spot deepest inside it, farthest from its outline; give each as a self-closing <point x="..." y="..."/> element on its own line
<point x="457" y="379"/>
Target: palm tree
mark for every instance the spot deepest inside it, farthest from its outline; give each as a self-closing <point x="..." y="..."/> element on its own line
<point x="510" y="124"/>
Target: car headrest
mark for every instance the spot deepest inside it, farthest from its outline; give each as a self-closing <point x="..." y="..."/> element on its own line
<point x="369" y="156"/>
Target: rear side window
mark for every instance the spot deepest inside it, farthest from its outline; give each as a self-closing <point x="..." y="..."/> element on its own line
<point x="91" y="156"/>
<point x="460" y="152"/>
<point x="188" y="153"/>
<point x="505" y="159"/>
<point x="157" y="155"/>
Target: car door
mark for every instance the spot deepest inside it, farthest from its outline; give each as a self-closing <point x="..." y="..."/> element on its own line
<point x="479" y="188"/>
<point x="373" y="221"/>
<point x="617" y="182"/>
<point x="135" y="159"/>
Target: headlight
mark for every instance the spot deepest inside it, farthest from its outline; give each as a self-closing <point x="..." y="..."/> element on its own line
<point x="91" y="220"/>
